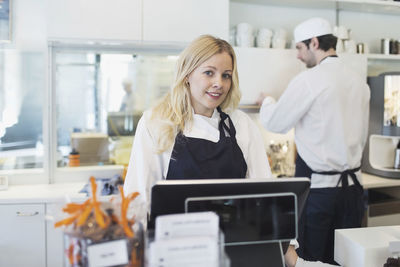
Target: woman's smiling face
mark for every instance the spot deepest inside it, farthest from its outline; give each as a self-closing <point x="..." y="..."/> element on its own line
<point x="210" y="83"/>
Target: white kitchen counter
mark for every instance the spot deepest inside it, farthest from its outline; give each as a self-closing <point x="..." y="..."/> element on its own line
<point x="364" y="247"/>
<point x="372" y="181"/>
<point x="42" y="193"/>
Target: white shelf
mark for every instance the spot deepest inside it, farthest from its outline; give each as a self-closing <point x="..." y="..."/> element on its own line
<point x="383" y="57"/>
<point x="321" y="4"/>
<point x="372" y="6"/>
<point x="369" y="56"/>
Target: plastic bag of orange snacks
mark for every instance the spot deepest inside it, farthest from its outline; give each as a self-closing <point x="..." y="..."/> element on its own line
<point x="100" y="233"/>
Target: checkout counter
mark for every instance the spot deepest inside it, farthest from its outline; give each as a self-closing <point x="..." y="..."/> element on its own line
<point x="366" y="247"/>
<point x="369" y="246"/>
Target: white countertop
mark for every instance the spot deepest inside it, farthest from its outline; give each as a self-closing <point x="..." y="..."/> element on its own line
<point x="372" y="181"/>
<point x="47" y="193"/>
<point x="42" y="193"/>
<point x="364" y="247"/>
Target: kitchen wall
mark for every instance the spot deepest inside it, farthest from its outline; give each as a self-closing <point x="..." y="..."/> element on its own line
<point x="28" y="26"/>
<point x="35" y="22"/>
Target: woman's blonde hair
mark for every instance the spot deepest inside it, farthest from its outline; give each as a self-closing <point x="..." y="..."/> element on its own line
<point x="174" y="110"/>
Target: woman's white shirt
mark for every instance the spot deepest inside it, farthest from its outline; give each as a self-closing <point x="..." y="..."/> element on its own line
<point x="146" y="167"/>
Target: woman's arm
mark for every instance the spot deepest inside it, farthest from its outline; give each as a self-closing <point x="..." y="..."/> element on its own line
<point x="145" y="165"/>
<point x="293" y="260"/>
<point x="291" y="256"/>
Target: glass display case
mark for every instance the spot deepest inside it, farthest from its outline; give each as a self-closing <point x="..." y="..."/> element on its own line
<point x="22" y="83"/>
<point x="100" y="94"/>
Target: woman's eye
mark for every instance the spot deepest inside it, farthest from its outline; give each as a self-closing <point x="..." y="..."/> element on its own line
<point x="227" y="76"/>
<point x="208" y="72"/>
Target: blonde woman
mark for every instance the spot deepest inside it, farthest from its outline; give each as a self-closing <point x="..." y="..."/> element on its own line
<point x="195" y="130"/>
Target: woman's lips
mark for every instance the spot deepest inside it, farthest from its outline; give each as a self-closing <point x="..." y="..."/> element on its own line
<point x="213" y="95"/>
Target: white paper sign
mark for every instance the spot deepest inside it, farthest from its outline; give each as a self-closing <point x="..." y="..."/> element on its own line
<point x="183" y="252"/>
<point x="108" y="254"/>
<point x="187" y="224"/>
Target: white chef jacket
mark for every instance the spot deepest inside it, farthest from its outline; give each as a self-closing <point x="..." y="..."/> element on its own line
<point x="329" y="107"/>
<point x="146" y="167"/>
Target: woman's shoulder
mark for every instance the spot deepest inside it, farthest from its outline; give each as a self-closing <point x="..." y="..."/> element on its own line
<point x="147" y="114"/>
<point x="242" y="120"/>
<point x="239" y="115"/>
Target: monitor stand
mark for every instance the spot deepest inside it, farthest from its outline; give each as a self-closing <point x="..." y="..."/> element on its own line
<point x="257" y="255"/>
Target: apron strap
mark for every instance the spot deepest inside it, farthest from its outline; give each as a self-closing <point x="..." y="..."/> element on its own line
<point x="344" y="176"/>
<point x="223" y="127"/>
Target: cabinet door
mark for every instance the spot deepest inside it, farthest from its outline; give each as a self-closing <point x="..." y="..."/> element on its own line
<point x="55" y="241"/>
<point x="22" y="235"/>
<point x="184" y="20"/>
<point x="94" y="19"/>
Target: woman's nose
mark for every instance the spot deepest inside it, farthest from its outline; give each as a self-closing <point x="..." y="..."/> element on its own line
<point x="217" y="83"/>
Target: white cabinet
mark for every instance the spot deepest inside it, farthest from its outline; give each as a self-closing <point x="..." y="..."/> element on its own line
<point x="54" y="240"/>
<point x="22" y="235"/>
<point x="184" y="20"/>
<point x="94" y="19"/>
<point x="136" y="20"/>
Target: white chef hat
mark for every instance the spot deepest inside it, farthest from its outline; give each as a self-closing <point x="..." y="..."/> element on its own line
<point x="310" y="28"/>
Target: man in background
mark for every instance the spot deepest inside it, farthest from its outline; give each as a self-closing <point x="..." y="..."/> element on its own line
<point x="328" y="105"/>
<point x="128" y="101"/>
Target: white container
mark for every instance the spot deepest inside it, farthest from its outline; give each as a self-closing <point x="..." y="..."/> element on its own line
<point x="279" y="43"/>
<point x="350" y="46"/>
<point x="265" y="33"/>
<point x="3" y="182"/>
<point x="263" y="42"/>
<point x="244" y="28"/>
<point x="244" y="40"/>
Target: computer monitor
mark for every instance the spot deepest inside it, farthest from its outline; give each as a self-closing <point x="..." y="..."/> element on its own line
<point x="170" y="196"/>
<point x="254" y="218"/>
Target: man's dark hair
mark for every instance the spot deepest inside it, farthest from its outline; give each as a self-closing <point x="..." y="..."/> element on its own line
<point x="326" y="42"/>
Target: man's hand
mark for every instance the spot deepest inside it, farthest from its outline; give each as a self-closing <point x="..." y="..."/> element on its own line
<point x="261" y="98"/>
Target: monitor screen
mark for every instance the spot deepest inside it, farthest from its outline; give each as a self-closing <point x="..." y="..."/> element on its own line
<point x="391" y="100"/>
<point x="169" y="196"/>
<point x="244" y="219"/>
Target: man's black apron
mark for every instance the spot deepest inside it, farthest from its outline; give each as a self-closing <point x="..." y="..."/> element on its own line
<point x="328" y="209"/>
<point x="194" y="158"/>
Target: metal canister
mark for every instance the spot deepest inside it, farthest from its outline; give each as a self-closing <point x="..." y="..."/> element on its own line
<point x="393" y="46"/>
<point x="385" y="46"/>
<point x="397" y="159"/>
<point x="398" y="46"/>
<point x="397" y="156"/>
<point x="360" y="48"/>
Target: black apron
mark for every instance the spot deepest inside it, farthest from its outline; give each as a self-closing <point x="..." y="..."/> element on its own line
<point x="327" y="209"/>
<point x="303" y="170"/>
<point x="194" y="158"/>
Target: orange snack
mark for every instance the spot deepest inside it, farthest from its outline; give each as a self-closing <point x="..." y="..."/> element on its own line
<point x="66" y="221"/>
<point x="70" y="253"/>
<point x="98" y="222"/>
